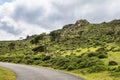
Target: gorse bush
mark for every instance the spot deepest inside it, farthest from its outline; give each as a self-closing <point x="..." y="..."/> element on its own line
<point x="102" y="55"/>
<point x="39" y="49"/>
<point x="11" y="46"/>
<point x="117" y="69"/>
<point x="97" y="68"/>
<point x="89" y="61"/>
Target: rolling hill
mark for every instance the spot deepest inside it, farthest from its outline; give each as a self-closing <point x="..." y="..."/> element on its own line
<point x="88" y="49"/>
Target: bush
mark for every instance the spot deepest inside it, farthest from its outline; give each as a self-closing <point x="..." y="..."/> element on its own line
<point x="86" y="62"/>
<point x="45" y="57"/>
<point x="70" y="67"/>
<point x="97" y="54"/>
<point x="101" y="49"/>
<point x="92" y="54"/>
<point x="11" y="46"/>
<point x="97" y="68"/>
<point x="37" y="62"/>
<point x="112" y="68"/>
<point x="60" y="62"/>
<point x="102" y="55"/>
<point x="37" y="38"/>
<point x="118" y="69"/>
<point x="39" y="49"/>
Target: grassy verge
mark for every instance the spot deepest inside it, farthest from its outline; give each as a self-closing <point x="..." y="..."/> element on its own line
<point x="6" y="74"/>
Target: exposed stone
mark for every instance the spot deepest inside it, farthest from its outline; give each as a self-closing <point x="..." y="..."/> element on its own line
<point x="82" y="22"/>
<point x="113" y="63"/>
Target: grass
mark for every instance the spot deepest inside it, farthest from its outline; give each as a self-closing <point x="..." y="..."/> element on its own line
<point x="105" y="75"/>
<point x="99" y="76"/>
<point x="80" y="51"/>
<point x="6" y="74"/>
<point x="114" y="56"/>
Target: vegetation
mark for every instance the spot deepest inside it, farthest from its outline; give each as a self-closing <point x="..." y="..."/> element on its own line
<point x="91" y="50"/>
<point x="6" y="74"/>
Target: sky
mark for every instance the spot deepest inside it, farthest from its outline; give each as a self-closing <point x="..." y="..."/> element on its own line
<point x="19" y="18"/>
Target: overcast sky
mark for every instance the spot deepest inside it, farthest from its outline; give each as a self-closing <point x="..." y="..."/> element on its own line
<point x="19" y="18"/>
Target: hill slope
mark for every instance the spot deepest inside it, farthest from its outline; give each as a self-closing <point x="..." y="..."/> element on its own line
<point x="84" y="48"/>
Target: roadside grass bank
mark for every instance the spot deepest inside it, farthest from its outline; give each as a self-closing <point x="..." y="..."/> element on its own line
<point x="6" y="74"/>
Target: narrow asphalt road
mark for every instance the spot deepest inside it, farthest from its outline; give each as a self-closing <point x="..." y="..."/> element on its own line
<point x="24" y="72"/>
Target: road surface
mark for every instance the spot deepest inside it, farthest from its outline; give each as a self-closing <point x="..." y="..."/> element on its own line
<point x="24" y="72"/>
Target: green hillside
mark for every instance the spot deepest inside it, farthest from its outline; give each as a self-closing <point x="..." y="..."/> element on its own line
<point x="90" y="50"/>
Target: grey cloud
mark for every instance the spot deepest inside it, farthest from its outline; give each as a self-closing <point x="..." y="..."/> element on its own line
<point x="36" y="16"/>
<point x="64" y="13"/>
<point x="26" y="14"/>
<point x="9" y="29"/>
<point x="61" y="14"/>
<point x="100" y="13"/>
<point x="51" y="20"/>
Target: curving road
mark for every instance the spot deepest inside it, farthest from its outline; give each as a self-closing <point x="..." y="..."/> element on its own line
<point x="24" y="72"/>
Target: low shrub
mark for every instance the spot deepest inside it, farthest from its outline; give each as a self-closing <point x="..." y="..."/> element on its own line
<point x="97" y="68"/>
<point x="86" y="62"/>
<point x="102" y="55"/>
<point x="118" y="69"/>
<point x="39" y="49"/>
<point x="70" y="67"/>
<point x="92" y="54"/>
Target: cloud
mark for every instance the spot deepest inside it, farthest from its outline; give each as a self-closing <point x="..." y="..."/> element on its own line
<point x="27" y="17"/>
<point x="3" y="1"/>
<point x="6" y="36"/>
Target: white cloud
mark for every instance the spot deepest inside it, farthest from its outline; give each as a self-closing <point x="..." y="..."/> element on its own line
<point x="6" y="36"/>
<point x="26" y="17"/>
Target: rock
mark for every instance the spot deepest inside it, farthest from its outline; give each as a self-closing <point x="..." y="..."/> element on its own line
<point x="82" y="22"/>
<point x="113" y="63"/>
